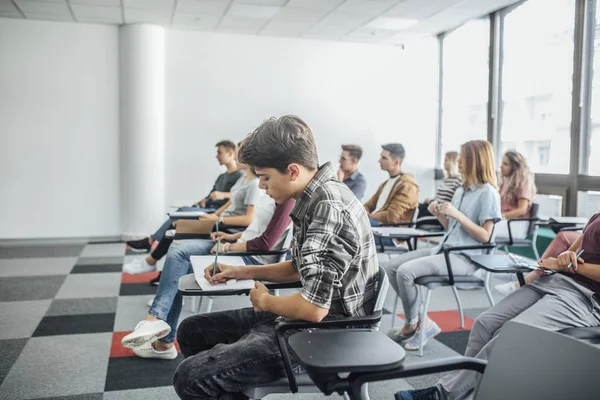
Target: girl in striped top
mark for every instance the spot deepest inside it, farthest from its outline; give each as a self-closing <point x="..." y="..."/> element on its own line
<point x="448" y="186"/>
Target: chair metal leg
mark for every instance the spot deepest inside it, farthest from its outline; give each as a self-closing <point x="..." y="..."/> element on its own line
<point x="195" y="303"/>
<point x="394" y="310"/>
<point x="488" y="291"/>
<point x="345" y="396"/>
<point x="365" y="391"/>
<point x="209" y="304"/>
<point x="460" y="308"/>
<point x="423" y="320"/>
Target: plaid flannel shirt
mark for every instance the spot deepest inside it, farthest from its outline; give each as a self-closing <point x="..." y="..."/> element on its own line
<point x="334" y="250"/>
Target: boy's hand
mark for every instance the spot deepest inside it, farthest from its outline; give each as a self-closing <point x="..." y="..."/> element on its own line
<point x="224" y="273"/>
<point x="258" y="296"/>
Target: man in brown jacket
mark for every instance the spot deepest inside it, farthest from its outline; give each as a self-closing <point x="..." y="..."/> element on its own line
<point x="398" y="197"/>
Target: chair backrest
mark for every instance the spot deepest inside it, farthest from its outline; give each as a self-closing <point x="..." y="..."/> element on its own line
<point x="532" y="363"/>
<point x="382" y="289"/>
<point x="415" y="216"/>
<point x="534" y="212"/>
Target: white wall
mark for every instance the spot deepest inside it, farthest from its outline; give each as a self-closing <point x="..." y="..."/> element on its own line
<point x="223" y="86"/>
<point x="59" y="130"/>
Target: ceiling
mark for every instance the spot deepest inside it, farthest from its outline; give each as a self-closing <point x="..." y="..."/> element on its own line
<point x="391" y="22"/>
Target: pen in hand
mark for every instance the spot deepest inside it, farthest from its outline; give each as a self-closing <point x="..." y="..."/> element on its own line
<point x="217" y="252"/>
<point x="577" y="258"/>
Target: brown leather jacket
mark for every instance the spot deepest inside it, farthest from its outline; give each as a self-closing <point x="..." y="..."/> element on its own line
<point x="400" y="204"/>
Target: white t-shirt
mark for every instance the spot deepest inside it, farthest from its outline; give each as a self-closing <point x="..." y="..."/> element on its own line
<point x="385" y="193"/>
<point x="243" y="195"/>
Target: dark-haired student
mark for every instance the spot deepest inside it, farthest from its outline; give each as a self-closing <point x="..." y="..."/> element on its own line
<point x="567" y="297"/>
<point x="216" y="199"/>
<point x="397" y="197"/>
<point x="334" y="257"/>
<point x="348" y="172"/>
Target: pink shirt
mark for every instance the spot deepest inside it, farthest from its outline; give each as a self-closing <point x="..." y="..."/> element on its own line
<point x="511" y="201"/>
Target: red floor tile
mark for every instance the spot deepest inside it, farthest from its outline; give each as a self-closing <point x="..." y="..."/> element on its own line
<point x="139" y="278"/>
<point x="448" y="320"/>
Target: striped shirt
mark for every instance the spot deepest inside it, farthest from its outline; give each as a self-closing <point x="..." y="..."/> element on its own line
<point x="446" y="189"/>
<point x="334" y="250"/>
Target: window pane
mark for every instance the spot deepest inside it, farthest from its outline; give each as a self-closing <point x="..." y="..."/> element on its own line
<point x="593" y="162"/>
<point x="537" y="82"/>
<point x="550" y="205"/>
<point x="588" y="203"/>
<point x="465" y="84"/>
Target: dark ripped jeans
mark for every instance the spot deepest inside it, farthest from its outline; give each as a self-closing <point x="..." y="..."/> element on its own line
<point x="225" y="352"/>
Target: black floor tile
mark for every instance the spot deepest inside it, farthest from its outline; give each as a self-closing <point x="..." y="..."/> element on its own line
<point x="39" y="251"/>
<point x="86" y="396"/>
<point x="23" y="288"/>
<point x="457" y="341"/>
<point x="11" y="349"/>
<point x="75" y="324"/>
<point x="94" y="268"/>
<point x="137" y="289"/>
<point x="126" y="373"/>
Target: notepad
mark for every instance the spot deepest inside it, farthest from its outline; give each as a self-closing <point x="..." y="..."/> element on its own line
<point x="199" y="264"/>
<point x="186" y="214"/>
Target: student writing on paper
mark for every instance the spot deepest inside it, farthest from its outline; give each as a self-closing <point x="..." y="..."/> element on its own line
<point x="334" y="257"/>
<point x="566" y="299"/>
<point x="237" y="211"/>
<point x="271" y="229"/>
<point x="217" y="197"/>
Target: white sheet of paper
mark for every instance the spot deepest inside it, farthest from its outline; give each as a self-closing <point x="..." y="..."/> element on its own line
<point x="199" y="263"/>
<point x="186" y="214"/>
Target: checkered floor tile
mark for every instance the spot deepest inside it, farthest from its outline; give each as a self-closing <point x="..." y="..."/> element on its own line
<point x="64" y="310"/>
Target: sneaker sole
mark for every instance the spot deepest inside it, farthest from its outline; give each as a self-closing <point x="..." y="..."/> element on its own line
<point x="424" y="343"/>
<point x="143" y="339"/>
<point x="138" y="250"/>
<point x="138" y="272"/>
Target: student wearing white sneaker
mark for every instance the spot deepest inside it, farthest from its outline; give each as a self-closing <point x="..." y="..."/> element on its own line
<point x="270" y="230"/>
<point x="469" y="220"/>
<point x="238" y="211"/>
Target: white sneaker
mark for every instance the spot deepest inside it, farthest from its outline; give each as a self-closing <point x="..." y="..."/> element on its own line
<point x="506" y="288"/>
<point x="151" y="301"/>
<point x="148" y="351"/>
<point x="430" y="333"/>
<point x="146" y="332"/>
<point x="138" y="267"/>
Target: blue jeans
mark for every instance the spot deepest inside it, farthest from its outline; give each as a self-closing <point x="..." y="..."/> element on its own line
<point x="378" y="240"/>
<point x="168" y="301"/>
<point x="160" y="233"/>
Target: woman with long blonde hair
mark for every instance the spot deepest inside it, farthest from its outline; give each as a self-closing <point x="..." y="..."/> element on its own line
<point x="469" y="220"/>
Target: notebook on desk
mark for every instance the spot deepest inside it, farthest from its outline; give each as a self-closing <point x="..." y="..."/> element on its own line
<point x="199" y="264"/>
<point x="186" y="214"/>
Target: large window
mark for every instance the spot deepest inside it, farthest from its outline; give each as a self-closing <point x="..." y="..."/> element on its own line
<point x="465" y="84"/>
<point x="537" y="82"/>
<point x="592" y="163"/>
